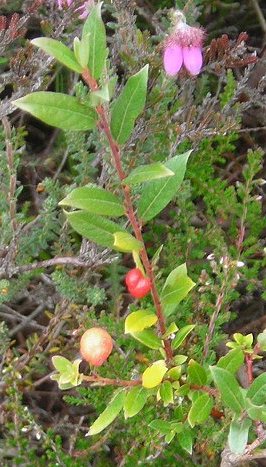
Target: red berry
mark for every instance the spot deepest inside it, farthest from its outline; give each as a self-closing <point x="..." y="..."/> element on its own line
<point x="133" y="277"/>
<point x="141" y="289"/>
<point x="95" y="346"/>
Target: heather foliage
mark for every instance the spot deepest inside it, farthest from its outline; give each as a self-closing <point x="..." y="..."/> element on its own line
<point x="132" y="235"/>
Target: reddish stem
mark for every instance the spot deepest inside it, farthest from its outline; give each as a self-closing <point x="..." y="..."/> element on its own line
<point x="211" y="391"/>
<point x="249" y="365"/>
<point x="136" y="225"/>
<point x="111" y="381"/>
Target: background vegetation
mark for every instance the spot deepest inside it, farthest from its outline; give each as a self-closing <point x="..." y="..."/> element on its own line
<point x="53" y="284"/>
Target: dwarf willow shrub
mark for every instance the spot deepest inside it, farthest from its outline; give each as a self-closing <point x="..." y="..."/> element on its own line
<point x="163" y="385"/>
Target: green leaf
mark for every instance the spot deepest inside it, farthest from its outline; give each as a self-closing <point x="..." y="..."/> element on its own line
<point x="257" y="391"/>
<point x="238" y="435"/>
<point x="197" y="374"/>
<point x="148" y="338"/>
<point x="129" y="105"/>
<point x="261" y="339"/>
<point x="139" y="320"/>
<point x="232" y="361"/>
<point x="200" y="410"/>
<point x="109" y="414"/>
<point x="59" y="51"/>
<point x="96" y="228"/>
<point x="94" y="37"/>
<point x="62" y="364"/>
<point x="135" y="400"/>
<point x="166" y="393"/>
<point x="157" y="194"/>
<point x="185" y="440"/>
<point x="162" y="426"/>
<point x="174" y="373"/>
<point x="172" y="328"/>
<point x="256" y="412"/>
<point x="100" y="96"/>
<point x="229" y="388"/>
<point x="181" y="335"/>
<point x="143" y="173"/>
<point x="94" y="199"/>
<point x="123" y="241"/>
<point x="177" y="286"/>
<point x="153" y="375"/>
<point x="59" y="110"/>
<point x="180" y="359"/>
<point x="81" y="51"/>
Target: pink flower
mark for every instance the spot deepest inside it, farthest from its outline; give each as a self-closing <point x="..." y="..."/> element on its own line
<point x="83" y="10"/>
<point x="183" y="48"/>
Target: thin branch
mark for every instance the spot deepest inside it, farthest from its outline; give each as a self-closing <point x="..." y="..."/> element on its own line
<point x="115" y="149"/>
<point x="67" y="260"/>
<point x="111" y="381"/>
<point x="260" y="15"/>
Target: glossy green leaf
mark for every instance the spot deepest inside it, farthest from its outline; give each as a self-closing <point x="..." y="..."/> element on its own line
<point x="162" y="426"/>
<point x="143" y="173"/>
<point x="174" y="373"/>
<point x="166" y="393"/>
<point x="109" y="414"/>
<point x="261" y="339"/>
<point x="59" y="51"/>
<point x="96" y="228"/>
<point x="257" y="391"/>
<point x="182" y="335"/>
<point x="256" y="412"/>
<point x="148" y="338"/>
<point x="177" y="286"/>
<point x="140" y="320"/>
<point x="153" y="375"/>
<point x="185" y="440"/>
<point x="124" y="241"/>
<point x="172" y="328"/>
<point x="232" y="361"/>
<point x="94" y="37"/>
<point x="135" y="400"/>
<point x="238" y="435"/>
<point x="200" y="410"/>
<point x="81" y="51"/>
<point x="180" y="359"/>
<point x="62" y="364"/>
<point x="157" y="194"/>
<point x="94" y="199"/>
<point x="100" y="96"/>
<point x="129" y="105"/>
<point x="229" y="388"/>
<point x="59" y="110"/>
<point x="196" y="373"/>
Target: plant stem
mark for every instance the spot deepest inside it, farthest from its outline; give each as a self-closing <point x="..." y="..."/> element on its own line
<point x="135" y="223"/>
<point x="249" y="365"/>
<point x="111" y="381"/>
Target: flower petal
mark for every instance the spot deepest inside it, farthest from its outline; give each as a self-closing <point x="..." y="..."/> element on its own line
<point x="193" y="59"/>
<point x="172" y="59"/>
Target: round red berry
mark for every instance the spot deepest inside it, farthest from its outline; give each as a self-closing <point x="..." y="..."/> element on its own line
<point x="141" y="289"/>
<point x="95" y="346"/>
<point x="133" y="277"/>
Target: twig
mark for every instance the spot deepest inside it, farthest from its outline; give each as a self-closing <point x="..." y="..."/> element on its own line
<point x="111" y="381"/>
<point x="260" y="15"/>
<point x="116" y="153"/>
<point x="214" y="317"/>
<point x="64" y="260"/>
<point x="27" y="321"/>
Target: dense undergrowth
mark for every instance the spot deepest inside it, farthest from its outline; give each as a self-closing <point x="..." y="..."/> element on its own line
<point x="54" y="284"/>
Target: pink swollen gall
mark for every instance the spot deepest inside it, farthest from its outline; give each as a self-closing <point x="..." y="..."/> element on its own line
<point x="95" y="346"/>
<point x="183" y="47"/>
